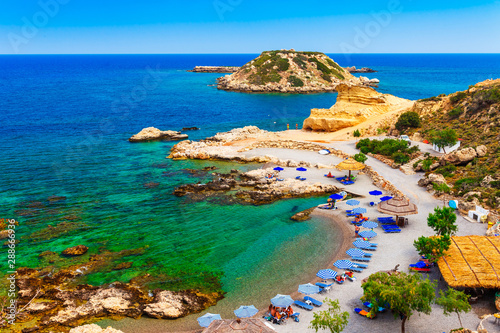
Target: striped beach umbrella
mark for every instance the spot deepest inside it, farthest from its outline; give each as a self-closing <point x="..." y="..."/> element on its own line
<point x="357" y="253"/>
<point x="359" y="210"/>
<point x="246" y="311"/>
<point x="352" y="202"/>
<point x="326" y="274"/>
<point x="362" y="244"/>
<point x="343" y="264"/>
<point x="308" y="289"/>
<point x="368" y="234"/>
<point x="376" y="192"/>
<point x="207" y="318"/>
<point x="282" y="301"/>
<point x="387" y="197"/>
<point x="369" y="225"/>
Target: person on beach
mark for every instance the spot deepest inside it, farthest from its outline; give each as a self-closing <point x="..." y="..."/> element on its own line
<point x="287" y="127"/>
<point x="360" y="218"/>
<point x="356" y="231"/>
<point x="296" y="126"/>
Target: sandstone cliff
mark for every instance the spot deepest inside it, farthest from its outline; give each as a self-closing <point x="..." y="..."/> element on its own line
<point x="354" y="105"/>
<point x="288" y="71"/>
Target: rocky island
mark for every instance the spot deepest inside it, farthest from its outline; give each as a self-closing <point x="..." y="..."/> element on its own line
<point x="289" y="71"/>
<point x="214" y="69"/>
<point x="154" y="134"/>
<point x="353" y="69"/>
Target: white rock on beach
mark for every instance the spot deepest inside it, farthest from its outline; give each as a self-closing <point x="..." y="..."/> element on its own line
<point x="93" y="328"/>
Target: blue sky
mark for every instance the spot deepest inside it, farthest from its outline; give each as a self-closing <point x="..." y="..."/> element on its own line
<point x="245" y="26"/>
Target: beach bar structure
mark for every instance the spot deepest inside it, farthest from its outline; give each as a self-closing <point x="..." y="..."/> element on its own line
<point x="472" y="262"/>
<point x="241" y="326"/>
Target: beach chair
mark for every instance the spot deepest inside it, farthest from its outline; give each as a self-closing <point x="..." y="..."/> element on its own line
<point x="324" y="287"/>
<point x="295" y="316"/>
<point x="298" y="177"/>
<point x="355" y="269"/>
<point x="361" y="266"/>
<point x="302" y="178"/>
<point x="365" y="259"/>
<point x="369" y="306"/>
<point x="420" y="264"/>
<point x="390" y="228"/>
<point x="310" y="300"/>
<point x="421" y="270"/>
<point x="303" y="305"/>
<point x="364" y="313"/>
<point x="349" y="182"/>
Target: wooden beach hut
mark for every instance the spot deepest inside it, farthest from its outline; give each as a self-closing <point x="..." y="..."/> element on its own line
<point x="243" y="325"/>
<point x="472" y="262"/>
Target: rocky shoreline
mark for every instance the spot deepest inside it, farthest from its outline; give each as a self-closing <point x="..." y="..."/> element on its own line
<point x="353" y="69"/>
<point x="154" y="134"/>
<point x="214" y="69"/>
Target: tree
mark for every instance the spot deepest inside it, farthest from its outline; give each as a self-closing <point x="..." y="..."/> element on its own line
<point x="443" y="221"/>
<point x="408" y="119"/>
<point x="331" y="319"/>
<point x="441" y="188"/>
<point x="360" y="157"/>
<point x="433" y="247"/>
<point x="454" y="301"/>
<point x="405" y="293"/>
<point x="445" y="138"/>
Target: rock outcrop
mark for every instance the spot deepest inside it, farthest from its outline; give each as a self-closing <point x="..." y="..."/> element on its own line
<point x="353" y="69"/>
<point x="93" y="328"/>
<point x="288" y="71"/>
<point x="153" y="134"/>
<point x="354" y="105"/>
<point x="75" y="250"/>
<point x="459" y="157"/>
<point x="214" y="69"/>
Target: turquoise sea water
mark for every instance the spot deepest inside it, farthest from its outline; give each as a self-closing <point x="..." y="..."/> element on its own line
<point x="65" y="125"/>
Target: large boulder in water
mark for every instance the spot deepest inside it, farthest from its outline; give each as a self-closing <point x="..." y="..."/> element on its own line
<point x="152" y="134"/>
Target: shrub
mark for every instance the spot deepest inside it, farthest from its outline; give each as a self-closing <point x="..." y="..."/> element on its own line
<point x="360" y="157"/>
<point x="356" y="133"/>
<point x="458" y="97"/>
<point x="444" y="138"/>
<point x="283" y="64"/>
<point x="408" y="119"/>
<point x="426" y="164"/>
<point x="295" y="81"/>
<point x="455" y="112"/>
<point x="446" y="170"/>
<point x="400" y="158"/>
<point x="429" y="99"/>
<point x="299" y="60"/>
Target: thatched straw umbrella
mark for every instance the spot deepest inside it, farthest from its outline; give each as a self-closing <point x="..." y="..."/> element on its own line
<point x="351" y="165"/>
<point x="397" y="206"/>
<point x="238" y="325"/>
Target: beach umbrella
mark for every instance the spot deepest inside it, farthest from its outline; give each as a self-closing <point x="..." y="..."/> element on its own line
<point x="369" y="225"/>
<point x="343" y="264"/>
<point x="301" y="169"/>
<point x="385" y="198"/>
<point x="376" y="192"/>
<point x="351" y="165"/>
<point x="282" y="301"/>
<point x="308" y="289"/>
<point x="336" y="196"/>
<point x="362" y="244"/>
<point x="326" y="274"/>
<point x="359" y="210"/>
<point x="368" y="234"/>
<point x="207" y="318"/>
<point x="357" y="253"/>
<point x="352" y="202"/>
<point x="278" y="169"/>
<point x="245" y="311"/>
<point x="397" y="207"/>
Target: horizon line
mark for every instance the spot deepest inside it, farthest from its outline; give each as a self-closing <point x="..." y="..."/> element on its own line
<point x="391" y="53"/>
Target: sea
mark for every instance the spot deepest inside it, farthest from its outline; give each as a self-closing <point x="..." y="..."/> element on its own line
<point x="69" y="176"/>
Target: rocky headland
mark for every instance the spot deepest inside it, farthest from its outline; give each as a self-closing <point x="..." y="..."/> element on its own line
<point x="353" y="69"/>
<point x="288" y="71"/>
<point x="214" y="69"/>
<point x="154" y="134"/>
<point x="354" y="106"/>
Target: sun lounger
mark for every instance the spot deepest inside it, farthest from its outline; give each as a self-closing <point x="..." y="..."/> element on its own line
<point x="364" y="313"/>
<point x="361" y="266"/>
<point x="355" y="269"/>
<point x="369" y="306"/>
<point x="365" y="259"/>
<point x="312" y="301"/>
<point x="298" y="177"/>
<point x="324" y="287"/>
<point x="302" y="178"/>
<point x="295" y="316"/>
<point x="420" y="264"/>
<point x="421" y="270"/>
<point x="391" y="229"/>
<point x="303" y="305"/>
<point x="349" y="182"/>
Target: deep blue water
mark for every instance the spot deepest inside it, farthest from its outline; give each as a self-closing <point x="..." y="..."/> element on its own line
<point x="65" y="121"/>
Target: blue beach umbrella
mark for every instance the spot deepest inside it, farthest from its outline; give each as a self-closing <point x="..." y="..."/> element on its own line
<point x="362" y="244"/>
<point x="336" y="196"/>
<point x="326" y="274"/>
<point x="386" y="198"/>
<point x="359" y="210"/>
<point x="308" y="289"/>
<point x="343" y="264"/>
<point x="352" y="202"/>
<point x="369" y="225"/>
<point x="278" y="169"/>
<point x="301" y="169"/>
<point x="282" y="301"/>
<point x="368" y="234"/>
<point x="357" y="253"/>
<point x="245" y="311"/>
<point x="376" y="192"/>
<point x="207" y="318"/>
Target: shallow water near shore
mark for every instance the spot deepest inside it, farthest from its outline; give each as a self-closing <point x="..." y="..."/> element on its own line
<point x="65" y="129"/>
